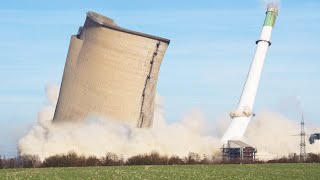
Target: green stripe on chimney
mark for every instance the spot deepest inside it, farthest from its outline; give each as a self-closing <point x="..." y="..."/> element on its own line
<point x="270" y="18"/>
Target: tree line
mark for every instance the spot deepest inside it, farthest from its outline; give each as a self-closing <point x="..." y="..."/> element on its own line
<point x="154" y="158"/>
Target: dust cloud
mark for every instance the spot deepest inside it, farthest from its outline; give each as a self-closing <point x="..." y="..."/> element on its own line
<point x="97" y="135"/>
<point x="269" y="132"/>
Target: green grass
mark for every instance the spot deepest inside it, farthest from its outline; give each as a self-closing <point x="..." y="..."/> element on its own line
<point x="248" y="171"/>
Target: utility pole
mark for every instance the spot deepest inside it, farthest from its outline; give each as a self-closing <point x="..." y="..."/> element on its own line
<point x="303" y="153"/>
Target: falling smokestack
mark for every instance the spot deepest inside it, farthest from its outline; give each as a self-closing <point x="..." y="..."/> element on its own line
<point x="110" y="72"/>
<point x="243" y="114"/>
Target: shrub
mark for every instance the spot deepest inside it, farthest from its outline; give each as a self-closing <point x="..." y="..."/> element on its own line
<point x="153" y="158"/>
<point x="28" y="161"/>
<point x="193" y="158"/>
<point x="176" y="160"/>
<point x="69" y="160"/>
<point x="1" y="163"/>
<point x="112" y="160"/>
<point x="93" y="161"/>
<point x="313" y="158"/>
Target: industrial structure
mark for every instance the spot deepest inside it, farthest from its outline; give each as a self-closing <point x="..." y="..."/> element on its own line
<point x="242" y="115"/>
<point x="110" y="72"/>
<point x="235" y="150"/>
<point x="314" y="138"/>
<point x="303" y="153"/>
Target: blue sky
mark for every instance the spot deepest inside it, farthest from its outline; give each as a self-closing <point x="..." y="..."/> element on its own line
<point x="212" y="45"/>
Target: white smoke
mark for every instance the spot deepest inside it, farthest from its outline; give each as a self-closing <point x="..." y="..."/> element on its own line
<point x="97" y="136"/>
<point x="275" y="136"/>
<point x="270" y="133"/>
<point x="271" y="3"/>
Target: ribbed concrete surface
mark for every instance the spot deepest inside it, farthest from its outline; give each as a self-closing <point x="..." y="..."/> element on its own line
<point x="110" y="72"/>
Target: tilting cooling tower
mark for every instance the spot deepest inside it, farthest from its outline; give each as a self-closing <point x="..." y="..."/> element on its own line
<point x="110" y="72"/>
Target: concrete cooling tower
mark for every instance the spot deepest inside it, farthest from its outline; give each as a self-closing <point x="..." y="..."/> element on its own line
<point x="110" y="72"/>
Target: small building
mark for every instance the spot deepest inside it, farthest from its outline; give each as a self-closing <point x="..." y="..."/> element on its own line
<point x="236" y="149"/>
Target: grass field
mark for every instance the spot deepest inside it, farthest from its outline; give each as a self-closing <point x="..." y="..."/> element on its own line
<point x="248" y="171"/>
